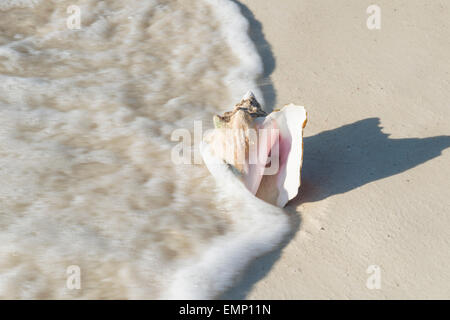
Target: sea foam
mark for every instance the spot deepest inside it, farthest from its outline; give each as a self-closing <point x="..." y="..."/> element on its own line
<point x="86" y="118"/>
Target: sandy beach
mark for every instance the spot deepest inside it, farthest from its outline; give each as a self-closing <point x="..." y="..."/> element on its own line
<point x="374" y="199"/>
<point x="111" y="187"/>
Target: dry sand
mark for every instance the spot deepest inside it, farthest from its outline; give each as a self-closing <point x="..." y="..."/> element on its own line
<point x="376" y="170"/>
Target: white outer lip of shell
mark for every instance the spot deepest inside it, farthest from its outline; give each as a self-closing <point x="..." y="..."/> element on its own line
<point x="294" y="119"/>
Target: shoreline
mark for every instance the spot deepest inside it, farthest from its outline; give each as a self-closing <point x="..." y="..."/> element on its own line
<point x="374" y="194"/>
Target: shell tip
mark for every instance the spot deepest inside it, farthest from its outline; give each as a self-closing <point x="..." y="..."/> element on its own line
<point x="248" y="95"/>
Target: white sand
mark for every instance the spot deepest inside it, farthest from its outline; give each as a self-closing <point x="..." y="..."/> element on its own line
<point x="377" y="160"/>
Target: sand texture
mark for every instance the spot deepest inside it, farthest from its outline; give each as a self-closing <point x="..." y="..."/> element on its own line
<point x="377" y="159"/>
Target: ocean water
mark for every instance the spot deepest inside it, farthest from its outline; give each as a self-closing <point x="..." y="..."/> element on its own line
<point x="87" y="179"/>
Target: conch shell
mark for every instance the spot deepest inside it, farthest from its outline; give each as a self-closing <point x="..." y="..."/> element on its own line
<point x="264" y="150"/>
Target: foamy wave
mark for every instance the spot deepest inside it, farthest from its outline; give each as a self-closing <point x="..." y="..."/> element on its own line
<point x="86" y="118"/>
<point x="10" y="4"/>
<point x="235" y="27"/>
